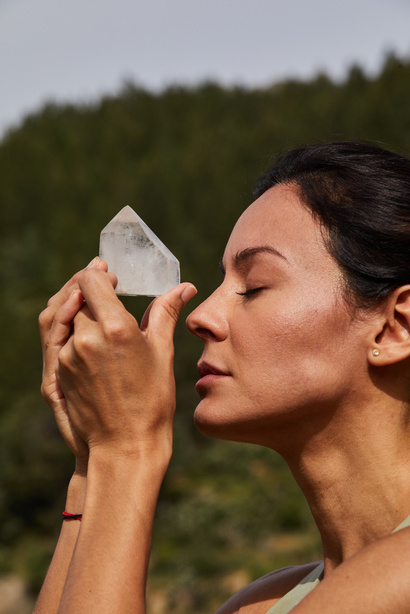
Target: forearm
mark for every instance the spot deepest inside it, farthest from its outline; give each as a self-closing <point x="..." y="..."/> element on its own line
<point x="109" y="566"/>
<point x="50" y="596"/>
<point x="112" y="388"/>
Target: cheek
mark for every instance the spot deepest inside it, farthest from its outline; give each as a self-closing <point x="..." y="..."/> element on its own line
<point x="280" y="331"/>
<point x="292" y="347"/>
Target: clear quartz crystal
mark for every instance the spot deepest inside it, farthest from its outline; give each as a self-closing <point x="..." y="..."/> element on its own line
<point x="143" y="264"/>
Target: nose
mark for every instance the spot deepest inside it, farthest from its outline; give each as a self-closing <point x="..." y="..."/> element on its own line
<point x="208" y="321"/>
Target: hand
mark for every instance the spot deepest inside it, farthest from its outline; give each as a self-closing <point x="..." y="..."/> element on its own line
<point x="117" y="379"/>
<point x="55" y="328"/>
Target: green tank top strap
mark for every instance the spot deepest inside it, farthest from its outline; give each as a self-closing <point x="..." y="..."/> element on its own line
<point x="404" y="525"/>
<point x="295" y="596"/>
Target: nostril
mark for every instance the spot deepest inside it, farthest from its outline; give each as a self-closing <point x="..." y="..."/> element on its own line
<point x="204" y="332"/>
<point x="195" y="322"/>
<point x="197" y="326"/>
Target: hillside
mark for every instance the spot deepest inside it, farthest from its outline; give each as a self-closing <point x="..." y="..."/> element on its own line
<point x="186" y="161"/>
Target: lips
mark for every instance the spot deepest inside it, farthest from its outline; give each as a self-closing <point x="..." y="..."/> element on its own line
<point x="208" y="375"/>
<point x="204" y="369"/>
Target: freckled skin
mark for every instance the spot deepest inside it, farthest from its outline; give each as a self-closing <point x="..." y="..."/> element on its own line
<point x="293" y="347"/>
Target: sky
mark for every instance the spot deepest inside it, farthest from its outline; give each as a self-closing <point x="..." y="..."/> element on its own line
<point x="77" y="50"/>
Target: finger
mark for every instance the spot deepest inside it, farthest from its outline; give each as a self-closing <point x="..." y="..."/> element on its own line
<point x="103" y="266"/>
<point x="145" y="317"/>
<point x="98" y="290"/>
<point x="61" y="329"/>
<point x="113" y="279"/>
<point x="98" y="263"/>
<point x="82" y="321"/>
<point x="61" y="296"/>
<point x="46" y="317"/>
<point x="59" y="334"/>
<point x="165" y="310"/>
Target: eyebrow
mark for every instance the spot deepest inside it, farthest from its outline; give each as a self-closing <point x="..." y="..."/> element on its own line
<point x="247" y="254"/>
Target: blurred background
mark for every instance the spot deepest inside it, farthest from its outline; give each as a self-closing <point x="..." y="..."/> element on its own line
<point x="174" y="107"/>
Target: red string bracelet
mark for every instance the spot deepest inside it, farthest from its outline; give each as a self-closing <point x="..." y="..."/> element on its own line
<point x="68" y="516"/>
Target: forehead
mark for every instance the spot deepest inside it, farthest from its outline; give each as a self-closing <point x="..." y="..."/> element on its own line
<point x="279" y="219"/>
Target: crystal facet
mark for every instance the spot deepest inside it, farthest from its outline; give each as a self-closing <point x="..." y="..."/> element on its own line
<point x="143" y="264"/>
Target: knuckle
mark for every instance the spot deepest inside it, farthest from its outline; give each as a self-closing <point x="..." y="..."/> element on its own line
<point x="64" y="357"/>
<point x="52" y="300"/>
<point x="46" y="393"/>
<point x="85" y="343"/>
<point x="43" y="391"/>
<point x="47" y="345"/>
<point x="45" y="318"/>
<point x="86" y="275"/>
<point x="119" y="330"/>
<point x="171" y="310"/>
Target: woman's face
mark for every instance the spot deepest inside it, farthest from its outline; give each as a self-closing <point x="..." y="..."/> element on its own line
<point x="281" y="346"/>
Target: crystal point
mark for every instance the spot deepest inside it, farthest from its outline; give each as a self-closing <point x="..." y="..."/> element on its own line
<point x="143" y="264"/>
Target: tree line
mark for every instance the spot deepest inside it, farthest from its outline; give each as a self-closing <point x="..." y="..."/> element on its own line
<point x="186" y="160"/>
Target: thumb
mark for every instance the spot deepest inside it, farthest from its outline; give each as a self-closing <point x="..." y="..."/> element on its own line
<point x="164" y="312"/>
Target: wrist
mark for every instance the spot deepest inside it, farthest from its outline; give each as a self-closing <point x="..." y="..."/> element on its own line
<point x="151" y="453"/>
<point x="81" y="467"/>
<point x="113" y="470"/>
<point x="105" y="462"/>
<point x="76" y="493"/>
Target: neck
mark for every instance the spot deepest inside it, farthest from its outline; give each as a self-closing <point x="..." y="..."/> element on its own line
<point x="355" y="480"/>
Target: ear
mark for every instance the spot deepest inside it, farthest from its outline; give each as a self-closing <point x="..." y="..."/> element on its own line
<point x="391" y="343"/>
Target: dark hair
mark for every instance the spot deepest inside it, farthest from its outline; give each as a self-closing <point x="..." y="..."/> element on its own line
<point x="360" y="194"/>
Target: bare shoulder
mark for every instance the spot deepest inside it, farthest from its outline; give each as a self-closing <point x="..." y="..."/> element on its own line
<point x="259" y="596"/>
<point x="375" y="580"/>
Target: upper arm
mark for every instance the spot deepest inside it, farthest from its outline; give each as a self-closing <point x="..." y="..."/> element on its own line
<point x="376" y="580"/>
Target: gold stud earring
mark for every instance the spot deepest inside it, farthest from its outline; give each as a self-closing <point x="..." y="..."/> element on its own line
<point x="376" y="352"/>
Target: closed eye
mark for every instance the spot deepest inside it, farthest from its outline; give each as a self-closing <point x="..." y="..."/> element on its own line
<point x="249" y="292"/>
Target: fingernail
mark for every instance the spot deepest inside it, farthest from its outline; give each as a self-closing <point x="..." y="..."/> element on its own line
<point x="94" y="262"/>
<point x="75" y="293"/>
<point x="188" y="293"/>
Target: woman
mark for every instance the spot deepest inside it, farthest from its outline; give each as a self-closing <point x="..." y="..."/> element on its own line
<point x="306" y="351"/>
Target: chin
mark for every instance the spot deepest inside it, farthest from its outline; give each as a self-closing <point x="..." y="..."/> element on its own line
<point x="211" y="422"/>
<point x="217" y="424"/>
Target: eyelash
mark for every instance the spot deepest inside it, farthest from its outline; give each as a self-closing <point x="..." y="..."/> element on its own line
<point x="249" y="293"/>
